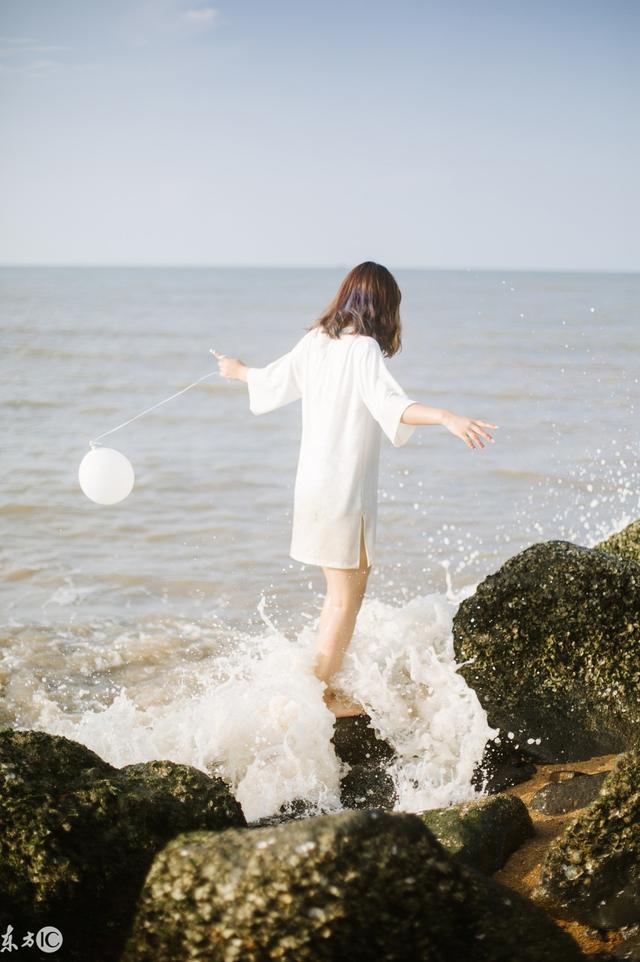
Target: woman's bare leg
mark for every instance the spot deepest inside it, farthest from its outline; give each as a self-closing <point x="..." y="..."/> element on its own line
<point x="345" y="591"/>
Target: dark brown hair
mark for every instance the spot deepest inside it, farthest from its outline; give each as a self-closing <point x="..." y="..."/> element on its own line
<point x="368" y="300"/>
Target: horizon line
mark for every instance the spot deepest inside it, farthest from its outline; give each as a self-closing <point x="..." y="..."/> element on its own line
<point x="305" y="267"/>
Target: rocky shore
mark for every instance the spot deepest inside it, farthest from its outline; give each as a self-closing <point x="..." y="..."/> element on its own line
<point x="155" y="861"/>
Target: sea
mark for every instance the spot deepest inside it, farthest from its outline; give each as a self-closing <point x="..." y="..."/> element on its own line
<point x="175" y="625"/>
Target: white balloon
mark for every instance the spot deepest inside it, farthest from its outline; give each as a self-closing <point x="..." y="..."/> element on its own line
<point x="106" y="476"/>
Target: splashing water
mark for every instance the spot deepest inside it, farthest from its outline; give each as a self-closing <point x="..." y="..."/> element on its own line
<point x="255" y="714"/>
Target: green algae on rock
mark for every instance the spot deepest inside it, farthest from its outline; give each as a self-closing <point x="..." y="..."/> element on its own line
<point x="364" y="886"/>
<point x="483" y="832"/>
<point x="78" y="835"/>
<point x="625" y="542"/>
<point x="592" y="871"/>
<point x="551" y="645"/>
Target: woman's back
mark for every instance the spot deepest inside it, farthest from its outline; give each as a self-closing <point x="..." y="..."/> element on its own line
<point x="331" y="404"/>
<point x="348" y="395"/>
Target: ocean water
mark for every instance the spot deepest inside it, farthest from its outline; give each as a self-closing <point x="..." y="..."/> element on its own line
<point x="175" y="624"/>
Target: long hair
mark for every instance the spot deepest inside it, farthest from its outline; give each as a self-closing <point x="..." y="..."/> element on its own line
<point x="368" y="300"/>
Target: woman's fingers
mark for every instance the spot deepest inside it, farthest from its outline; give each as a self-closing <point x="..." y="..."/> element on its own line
<point x="221" y="358"/>
<point x="472" y="438"/>
<point x="484" y="434"/>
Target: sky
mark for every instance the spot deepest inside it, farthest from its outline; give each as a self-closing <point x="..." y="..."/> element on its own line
<point x="490" y="134"/>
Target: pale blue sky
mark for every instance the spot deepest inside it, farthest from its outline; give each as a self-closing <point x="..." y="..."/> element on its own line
<point x="483" y="134"/>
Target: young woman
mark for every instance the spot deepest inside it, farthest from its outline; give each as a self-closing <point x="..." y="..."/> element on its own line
<point x="349" y="398"/>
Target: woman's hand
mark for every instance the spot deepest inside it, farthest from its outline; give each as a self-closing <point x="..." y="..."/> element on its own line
<point x="231" y="367"/>
<point x="468" y="429"/>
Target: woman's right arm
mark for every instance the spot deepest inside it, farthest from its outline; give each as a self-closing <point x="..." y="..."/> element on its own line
<point x="271" y="386"/>
<point x="231" y="367"/>
<point x="467" y="429"/>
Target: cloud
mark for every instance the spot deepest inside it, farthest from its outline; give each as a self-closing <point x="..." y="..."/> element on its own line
<point x="201" y="16"/>
<point x="17" y="40"/>
<point x="145" y="22"/>
<point x="35" y="68"/>
<point x="15" y="46"/>
<point x="29" y="57"/>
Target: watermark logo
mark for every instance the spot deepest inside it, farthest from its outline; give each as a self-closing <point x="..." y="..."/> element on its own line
<point x="47" y="939"/>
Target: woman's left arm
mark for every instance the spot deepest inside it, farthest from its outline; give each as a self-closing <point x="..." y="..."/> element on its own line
<point x="468" y="430"/>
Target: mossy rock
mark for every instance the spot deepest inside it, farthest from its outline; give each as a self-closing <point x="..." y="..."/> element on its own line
<point x="592" y="871"/>
<point x="363" y="886"/>
<point x="78" y="835"/>
<point x="552" y="641"/>
<point x="625" y="542"/>
<point x="483" y="832"/>
<point x="558" y="798"/>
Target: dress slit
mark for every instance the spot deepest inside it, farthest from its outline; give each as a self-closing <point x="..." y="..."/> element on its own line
<point x="363" y="541"/>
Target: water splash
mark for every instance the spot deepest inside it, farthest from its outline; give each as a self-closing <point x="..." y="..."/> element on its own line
<point x="255" y="715"/>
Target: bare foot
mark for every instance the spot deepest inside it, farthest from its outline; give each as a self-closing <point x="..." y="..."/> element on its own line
<point x="340" y="706"/>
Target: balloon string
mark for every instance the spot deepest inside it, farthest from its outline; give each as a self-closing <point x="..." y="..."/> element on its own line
<point x="142" y="413"/>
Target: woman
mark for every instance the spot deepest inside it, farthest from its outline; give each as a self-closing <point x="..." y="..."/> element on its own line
<point x="348" y="398"/>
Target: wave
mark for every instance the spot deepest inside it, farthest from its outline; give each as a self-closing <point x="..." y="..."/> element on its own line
<point x="253" y="711"/>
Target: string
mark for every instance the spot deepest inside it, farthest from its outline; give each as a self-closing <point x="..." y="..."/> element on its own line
<point x="153" y="407"/>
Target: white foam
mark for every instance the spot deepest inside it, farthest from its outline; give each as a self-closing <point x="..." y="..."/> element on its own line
<point x="256" y="716"/>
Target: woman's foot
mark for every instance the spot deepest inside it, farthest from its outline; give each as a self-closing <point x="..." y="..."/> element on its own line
<point x="341" y="706"/>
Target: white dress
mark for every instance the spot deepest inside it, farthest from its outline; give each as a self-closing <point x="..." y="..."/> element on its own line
<point x="348" y="398"/>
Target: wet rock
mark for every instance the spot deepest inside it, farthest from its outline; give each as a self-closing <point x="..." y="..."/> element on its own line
<point x="567" y="795"/>
<point x="363" y="886"/>
<point x="502" y="765"/>
<point x="35" y="759"/>
<point x="592" y="871"/>
<point x="298" y="808"/>
<point x="625" y="542"/>
<point x="356" y="742"/>
<point x="484" y="832"/>
<point x="553" y="643"/>
<point x="367" y="786"/>
<point x="78" y="835"/>
<point x="366" y="782"/>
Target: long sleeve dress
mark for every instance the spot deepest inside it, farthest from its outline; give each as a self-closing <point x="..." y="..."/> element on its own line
<point x="349" y="398"/>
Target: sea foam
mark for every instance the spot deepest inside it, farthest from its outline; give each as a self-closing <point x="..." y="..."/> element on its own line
<point x="255" y="714"/>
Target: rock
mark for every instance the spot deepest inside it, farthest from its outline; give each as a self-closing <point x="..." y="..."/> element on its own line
<point x="484" y="832"/>
<point x="364" y="886"/>
<point x="553" y="643"/>
<point x="79" y="834"/>
<point x="289" y="812"/>
<point x="356" y="742"/>
<point x="625" y="542"/>
<point x="628" y="948"/>
<point x="592" y="871"/>
<point x="368" y="786"/>
<point x="560" y="797"/>
<point x="366" y="758"/>
<point x="502" y="765"/>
